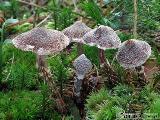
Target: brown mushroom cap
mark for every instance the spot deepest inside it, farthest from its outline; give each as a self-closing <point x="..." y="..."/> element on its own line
<point x="103" y="37"/>
<point x="76" y="31"/>
<point x="42" y="41"/>
<point x="133" y="53"/>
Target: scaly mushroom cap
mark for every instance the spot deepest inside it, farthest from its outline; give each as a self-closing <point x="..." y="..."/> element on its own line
<point x="82" y="66"/>
<point x="76" y="31"/>
<point x="103" y="37"/>
<point x="133" y="53"/>
<point x="41" y="41"/>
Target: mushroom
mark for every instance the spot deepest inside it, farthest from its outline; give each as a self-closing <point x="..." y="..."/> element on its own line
<point x="43" y="42"/>
<point x="133" y="54"/>
<point x="82" y="66"/>
<point x="104" y="38"/>
<point x="75" y="32"/>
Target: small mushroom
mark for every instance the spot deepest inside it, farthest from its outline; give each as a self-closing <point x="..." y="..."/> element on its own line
<point x="82" y="66"/>
<point x="75" y="32"/>
<point x="104" y="38"/>
<point x="133" y="54"/>
<point x="43" y="42"/>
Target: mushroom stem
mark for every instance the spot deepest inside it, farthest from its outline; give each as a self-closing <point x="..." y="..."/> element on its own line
<point x="141" y="76"/>
<point x="43" y="69"/>
<point x="80" y="49"/>
<point x="102" y="58"/>
<point x="77" y="86"/>
<point x="78" y="96"/>
<point x="112" y="77"/>
<point x="41" y="61"/>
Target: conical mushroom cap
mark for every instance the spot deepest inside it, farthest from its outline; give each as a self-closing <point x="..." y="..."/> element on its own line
<point x="42" y="41"/>
<point x="89" y="38"/>
<point x="82" y="66"/>
<point x="76" y="31"/>
<point x="103" y="37"/>
<point x="133" y="53"/>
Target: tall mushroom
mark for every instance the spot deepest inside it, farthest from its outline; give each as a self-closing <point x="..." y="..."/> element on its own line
<point x="43" y="42"/>
<point x="82" y="66"/>
<point x="104" y="38"/>
<point x="75" y="32"/>
<point x="133" y="54"/>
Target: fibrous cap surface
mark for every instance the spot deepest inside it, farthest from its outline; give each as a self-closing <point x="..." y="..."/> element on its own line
<point x="82" y="66"/>
<point x="76" y="31"/>
<point x="42" y="41"/>
<point x="133" y="53"/>
<point x="103" y="37"/>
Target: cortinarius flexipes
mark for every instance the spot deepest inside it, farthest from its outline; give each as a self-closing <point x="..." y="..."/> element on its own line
<point x="82" y="66"/>
<point x="43" y="42"/>
<point x="104" y="38"/>
<point x="133" y="54"/>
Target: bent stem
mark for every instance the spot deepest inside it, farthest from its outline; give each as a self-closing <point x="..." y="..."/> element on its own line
<point x="43" y="69"/>
<point x="107" y="70"/>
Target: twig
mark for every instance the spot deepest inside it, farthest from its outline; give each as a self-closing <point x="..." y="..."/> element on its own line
<point x="39" y="24"/>
<point x="77" y="9"/>
<point x="113" y="60"/>
<point x="30" y="20"/>
<point x="32" y="4"/>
